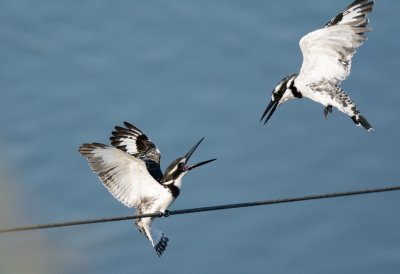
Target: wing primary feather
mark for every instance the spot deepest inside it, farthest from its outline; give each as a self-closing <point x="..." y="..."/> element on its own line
<point x="125" y="176"/>
<point x="132" y="140"/>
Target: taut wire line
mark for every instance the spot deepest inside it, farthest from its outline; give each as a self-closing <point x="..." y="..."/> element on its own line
<point x="204" y="209"/>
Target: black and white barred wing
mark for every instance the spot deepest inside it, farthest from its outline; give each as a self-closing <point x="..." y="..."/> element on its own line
<point x="327" y="52"/>
<point x="131" y="140"/>
<point x="125" y="176"/>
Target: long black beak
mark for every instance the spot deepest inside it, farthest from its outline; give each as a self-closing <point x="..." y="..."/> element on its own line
<point x="271" y="107"/>
<point x="189" y="154"/>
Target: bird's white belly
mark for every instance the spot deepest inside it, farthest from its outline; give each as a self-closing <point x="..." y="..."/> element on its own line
<point x="157" y="204"/>
<point x="321" y="95"/>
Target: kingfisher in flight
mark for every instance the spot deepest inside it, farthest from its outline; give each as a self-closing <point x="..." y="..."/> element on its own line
<point x="130" y="170"/>
<point x="327" y="54"/>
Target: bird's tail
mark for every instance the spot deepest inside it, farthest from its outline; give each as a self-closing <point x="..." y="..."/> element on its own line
<point x="343" y="102"/>
<point x="158" y="240"/>
<point x="360" y="120"/>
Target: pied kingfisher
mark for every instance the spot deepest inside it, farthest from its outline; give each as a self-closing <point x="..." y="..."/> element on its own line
<point x="130" y="170"/>
<point x="327" y="54"/>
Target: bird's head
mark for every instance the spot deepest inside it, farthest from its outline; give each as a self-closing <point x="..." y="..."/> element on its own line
<point x="284" y="91"/>
<point x="179" y="168"/>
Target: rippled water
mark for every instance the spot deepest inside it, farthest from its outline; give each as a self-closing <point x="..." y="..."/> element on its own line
<point x="181" y="70"/>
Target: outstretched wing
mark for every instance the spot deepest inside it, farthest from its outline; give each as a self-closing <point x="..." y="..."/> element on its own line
<point x="131" y="140"/>
<point x="125" y="176"/>
<point x="327" y="52"/>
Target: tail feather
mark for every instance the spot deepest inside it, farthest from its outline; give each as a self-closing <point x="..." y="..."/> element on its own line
<point x="343" y="103"/>
<point x="158" y="240"/>
<point x="360" y="120"/>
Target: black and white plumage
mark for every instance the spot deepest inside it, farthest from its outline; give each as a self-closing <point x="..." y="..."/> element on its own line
<point x="327" y="55"/>
<point x="130" y="170"/>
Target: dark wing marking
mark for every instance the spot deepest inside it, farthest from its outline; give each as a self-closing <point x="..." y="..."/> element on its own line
<point x="131" y="140"/>
<point x="363" y="7"/>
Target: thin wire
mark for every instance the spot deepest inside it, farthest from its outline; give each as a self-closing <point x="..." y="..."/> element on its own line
<point x="204" y="209"/>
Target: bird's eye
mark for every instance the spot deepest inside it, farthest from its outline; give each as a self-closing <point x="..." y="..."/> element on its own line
<point x="180" y="166"/>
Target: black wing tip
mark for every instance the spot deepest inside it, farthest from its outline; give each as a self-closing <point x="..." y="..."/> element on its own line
<point x="131" y="127"/>
<point x="362" y="3"/>
<point x="87" y="148"/>
<point x="92" y="145"/>
<point x="128" y="127"/>
<point x="129" y="131"/>
<point x="364" y="6"/>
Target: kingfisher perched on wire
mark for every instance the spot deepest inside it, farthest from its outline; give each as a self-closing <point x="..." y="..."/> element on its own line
<point x="130" y="170"/>
<point x="327" y="55"/>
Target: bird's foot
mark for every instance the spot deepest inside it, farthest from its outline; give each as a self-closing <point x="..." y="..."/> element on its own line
<point x="327" y="110"/>
<point x="164" y="213"/>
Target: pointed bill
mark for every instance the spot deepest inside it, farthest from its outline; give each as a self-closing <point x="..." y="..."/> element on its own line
<point x="199" y="164"/>
<point x="189" y="154"/>
<point x="271" y="109"/>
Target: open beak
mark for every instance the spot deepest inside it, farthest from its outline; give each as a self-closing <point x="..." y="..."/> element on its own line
<point x="189" y="154"/>
<point x="271" y="109"/>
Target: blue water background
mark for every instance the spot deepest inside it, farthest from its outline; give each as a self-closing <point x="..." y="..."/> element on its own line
<point x="181" y="70"/>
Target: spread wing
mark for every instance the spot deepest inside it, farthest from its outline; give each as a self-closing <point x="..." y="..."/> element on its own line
<point x="131" y="140"/>
<point x="125" y="176"/>
<point x="327" y="52"/>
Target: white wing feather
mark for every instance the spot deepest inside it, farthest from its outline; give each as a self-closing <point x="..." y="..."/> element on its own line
<point x="327" y="52"/>
<point x="125" y="176"/>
